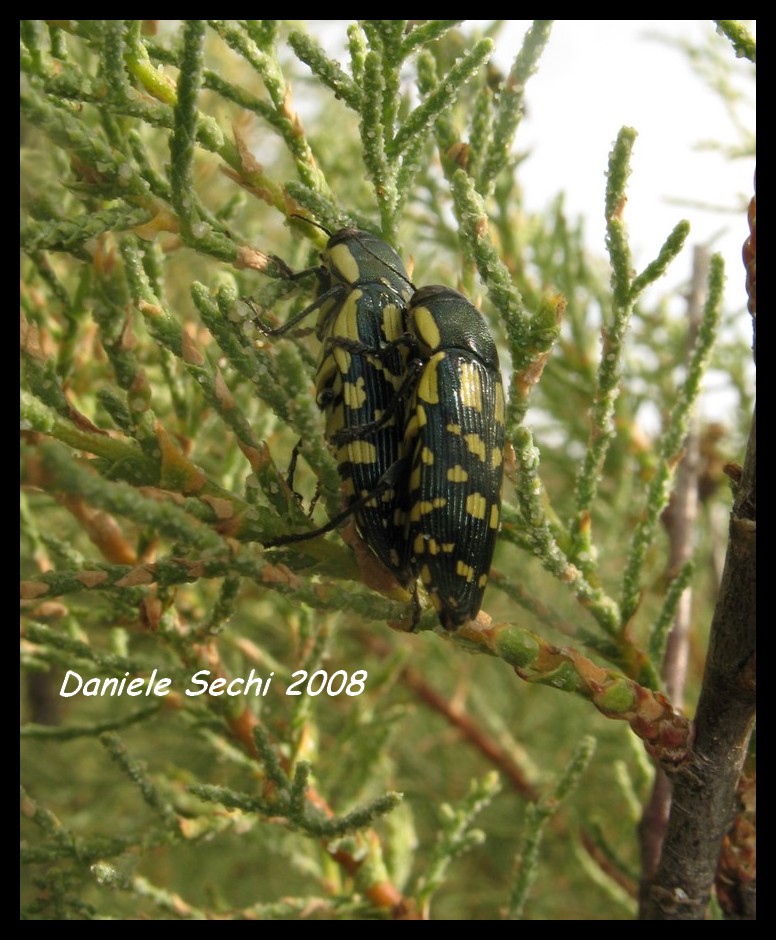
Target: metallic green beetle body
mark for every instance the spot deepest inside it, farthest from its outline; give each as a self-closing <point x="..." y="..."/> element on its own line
<point x="454" y="440"/>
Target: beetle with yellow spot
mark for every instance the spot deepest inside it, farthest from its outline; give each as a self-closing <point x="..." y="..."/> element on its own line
<point x="454" y="441"/>
<point x="361" y="297"/>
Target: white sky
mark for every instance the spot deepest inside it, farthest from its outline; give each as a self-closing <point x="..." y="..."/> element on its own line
<point x="596" y="76"/>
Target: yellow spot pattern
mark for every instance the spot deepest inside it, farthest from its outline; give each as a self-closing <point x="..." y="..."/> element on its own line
<point x="470" y="390"/>
<point x="428" y="387"/>
<point x="424" y="506"/>
<point x="425" y="545"/>
<point x="475" y="445"/>
<point x="498" y="405"/>
<point x="326" y="371"/>
<point x="336" y="420"/>
<point x="392" y="325"/>
<point x="342" y="358"/>
<point x="354" y="394"/>
<point x="426" y="328"/>
<point x="476" y="505"/>
<point x="343" y="261"/>
<point x="362" y="452"/>
<point x="346" y="323"/>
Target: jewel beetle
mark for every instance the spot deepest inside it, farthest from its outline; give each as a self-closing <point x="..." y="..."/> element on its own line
<point x="361" y="297"/>
<point x="454" y="445"/>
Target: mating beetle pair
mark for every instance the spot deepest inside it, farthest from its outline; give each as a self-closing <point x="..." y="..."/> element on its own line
<point x="411" y="390"/>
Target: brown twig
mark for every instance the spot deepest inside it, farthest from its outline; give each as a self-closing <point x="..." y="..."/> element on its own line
<point x="472" y="731"/>
<point x="705" y="786"/>
<point x="608" y="866"/>
<point x="679" y="520"/>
